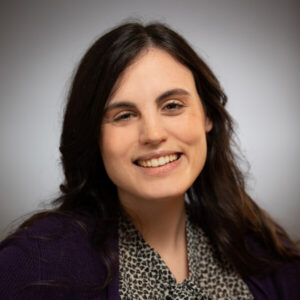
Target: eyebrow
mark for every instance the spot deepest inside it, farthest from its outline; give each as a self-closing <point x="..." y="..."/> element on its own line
<point x="164" y="95"/>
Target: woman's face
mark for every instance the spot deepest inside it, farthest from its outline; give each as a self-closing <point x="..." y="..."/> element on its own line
<point x="153" y="139"/>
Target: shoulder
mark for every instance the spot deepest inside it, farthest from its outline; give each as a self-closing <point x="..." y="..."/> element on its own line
<point x="54" y="249"/>
<point x="282" y="283"/>
<point x="48" y="234"/>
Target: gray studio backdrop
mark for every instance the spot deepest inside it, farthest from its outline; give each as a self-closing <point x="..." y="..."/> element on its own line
<point x="252" y="46"/>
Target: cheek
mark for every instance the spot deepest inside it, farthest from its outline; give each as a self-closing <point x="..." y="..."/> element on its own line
<point x="190" y="130"/>
<point x="192" y="135"/>
<point x="115" y="144"/>
<point x="116" y="147"/>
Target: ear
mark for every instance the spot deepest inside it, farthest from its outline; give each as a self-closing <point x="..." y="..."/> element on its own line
<point x="208" y="124"/>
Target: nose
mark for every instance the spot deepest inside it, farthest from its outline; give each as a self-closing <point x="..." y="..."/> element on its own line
<point x="152" y="131"/>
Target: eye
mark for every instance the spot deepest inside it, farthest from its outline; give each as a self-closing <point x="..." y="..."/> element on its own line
<point x="173" y="105"/>
<point x="123" y="116"/>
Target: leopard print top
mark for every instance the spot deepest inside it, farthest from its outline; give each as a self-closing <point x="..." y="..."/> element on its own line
<point x="144" y="275"/>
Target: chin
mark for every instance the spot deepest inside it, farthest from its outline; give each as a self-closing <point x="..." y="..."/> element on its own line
<point x="163" y="195"/>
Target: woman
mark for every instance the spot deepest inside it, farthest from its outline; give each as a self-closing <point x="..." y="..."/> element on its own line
<point x="153" y="205"/>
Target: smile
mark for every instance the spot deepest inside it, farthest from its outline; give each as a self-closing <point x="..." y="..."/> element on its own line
<point x="159" y="161"/>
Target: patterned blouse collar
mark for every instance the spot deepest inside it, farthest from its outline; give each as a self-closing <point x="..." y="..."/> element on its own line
<point x="144" y="275"/>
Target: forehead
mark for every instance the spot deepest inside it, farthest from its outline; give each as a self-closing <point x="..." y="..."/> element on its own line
<point x="152" y="72"/>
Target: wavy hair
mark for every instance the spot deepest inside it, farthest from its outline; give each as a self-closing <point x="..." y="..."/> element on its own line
<point x="218" y="202"/>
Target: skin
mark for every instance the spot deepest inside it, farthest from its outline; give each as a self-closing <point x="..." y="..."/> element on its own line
<point x="141" y="120"/>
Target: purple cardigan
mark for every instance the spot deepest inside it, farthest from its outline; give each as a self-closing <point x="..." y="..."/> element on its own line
<point x="54" y="250"/>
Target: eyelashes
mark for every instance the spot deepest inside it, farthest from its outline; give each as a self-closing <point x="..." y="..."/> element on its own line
<point x="124" y="116"/>
<point x="169" y="108"/>
<point x="173" y="105"/>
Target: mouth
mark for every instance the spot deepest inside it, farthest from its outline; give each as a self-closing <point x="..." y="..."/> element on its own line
<point x="158" y="161"/>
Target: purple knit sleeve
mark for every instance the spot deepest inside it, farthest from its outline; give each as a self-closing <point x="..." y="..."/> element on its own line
<point x="19" y="267"/>
<point x="52" y="259"/>
<point x="282" y="284"/>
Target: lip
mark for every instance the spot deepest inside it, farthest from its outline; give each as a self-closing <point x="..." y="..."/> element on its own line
<point x="161" y="170"/>
<point x="155" y="154"/>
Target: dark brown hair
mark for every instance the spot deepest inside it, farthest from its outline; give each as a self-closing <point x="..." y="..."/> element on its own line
<point x="218" y="201"/>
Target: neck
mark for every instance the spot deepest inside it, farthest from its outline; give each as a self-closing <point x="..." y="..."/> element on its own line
<point x="161" y="222"/>
<point x="162" y="225"/>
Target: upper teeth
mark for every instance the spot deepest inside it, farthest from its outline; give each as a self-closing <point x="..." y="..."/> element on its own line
<point x="156" y="162"/>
